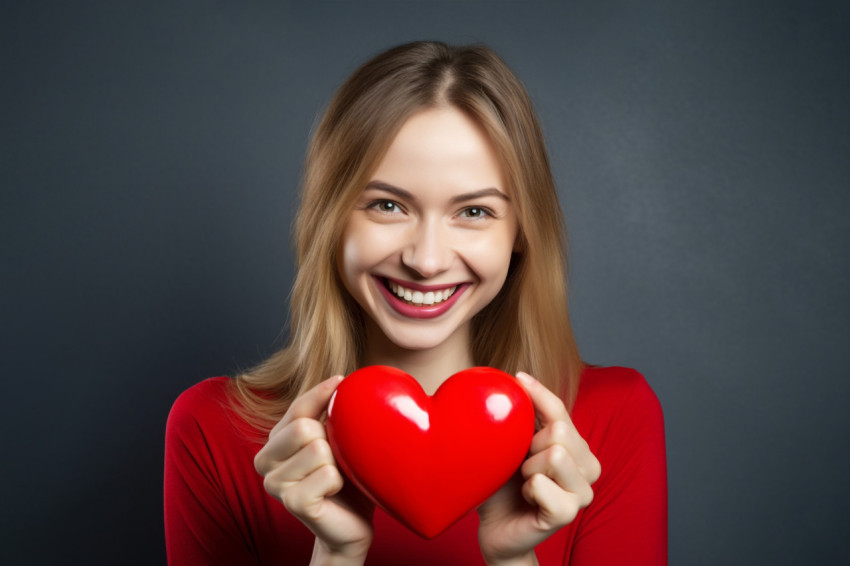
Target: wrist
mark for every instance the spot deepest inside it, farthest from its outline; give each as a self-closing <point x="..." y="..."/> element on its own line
<point x="347" y="555"/>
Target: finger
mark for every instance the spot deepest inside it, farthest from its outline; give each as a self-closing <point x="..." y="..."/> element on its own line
<point x="298" y="427"/>
<point x="548" y="406"/>
<point x="311" y="404"/>
<point x="556" y="507"/>
<point x="558" y="428"/>
<point x="563" y="433"/>
<point x="554" y="462"/>
<point x="305" y="498"/>
<point x="295" y="469"/>
<point x="557" y="464"/>
<point x="557" y="432"/>
<point x="286" y="442"/>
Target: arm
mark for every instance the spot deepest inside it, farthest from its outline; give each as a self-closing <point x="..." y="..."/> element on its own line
<point x="199" y="526"/>
<point x="627" y="522"/>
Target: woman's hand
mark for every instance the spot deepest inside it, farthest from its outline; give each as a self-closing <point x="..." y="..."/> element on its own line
<point x="555" y="486"/>
<point x="300" y="471"/>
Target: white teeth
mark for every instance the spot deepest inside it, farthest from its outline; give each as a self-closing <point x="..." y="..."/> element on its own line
<point x="420" y="298"/>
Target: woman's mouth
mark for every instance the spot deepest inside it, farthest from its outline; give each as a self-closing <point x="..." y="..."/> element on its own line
<point x="417" y="301"/>
<point x="419" y="298"/>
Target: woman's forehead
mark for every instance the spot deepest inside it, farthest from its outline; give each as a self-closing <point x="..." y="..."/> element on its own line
<point x="441" y="145"/>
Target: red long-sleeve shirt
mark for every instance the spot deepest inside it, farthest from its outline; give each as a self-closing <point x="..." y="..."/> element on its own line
<point x="217" y="512"/>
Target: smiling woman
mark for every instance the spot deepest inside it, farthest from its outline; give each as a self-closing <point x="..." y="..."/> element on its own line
<point x="429" y="238"/>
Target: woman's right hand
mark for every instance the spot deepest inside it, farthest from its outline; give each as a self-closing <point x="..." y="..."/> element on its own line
<point x="300" y="472"/>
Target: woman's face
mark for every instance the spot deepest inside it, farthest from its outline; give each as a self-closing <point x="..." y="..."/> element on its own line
<point x="429" y="241"/>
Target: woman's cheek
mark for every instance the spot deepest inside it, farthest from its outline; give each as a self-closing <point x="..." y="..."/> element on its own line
<point x="366" y="245"/>
<point x="490" y="256"/>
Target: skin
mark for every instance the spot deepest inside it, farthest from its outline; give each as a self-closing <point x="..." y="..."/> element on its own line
<point x="435" y="213"/>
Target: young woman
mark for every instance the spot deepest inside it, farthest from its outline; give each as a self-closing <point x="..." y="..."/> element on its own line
<point x="429" y="238"/>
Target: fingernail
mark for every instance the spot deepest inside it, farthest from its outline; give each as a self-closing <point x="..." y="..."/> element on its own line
<point x="525" y="378"/>
<point x="334" y="381"/>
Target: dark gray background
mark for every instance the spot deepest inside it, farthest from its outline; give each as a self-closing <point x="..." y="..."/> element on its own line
<point x="150" y="157"/>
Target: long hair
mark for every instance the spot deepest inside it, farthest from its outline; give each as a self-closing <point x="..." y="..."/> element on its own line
<point x="525" y="328"/>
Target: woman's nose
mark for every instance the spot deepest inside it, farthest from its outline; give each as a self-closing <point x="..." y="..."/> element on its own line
<point x="428" y="250"/>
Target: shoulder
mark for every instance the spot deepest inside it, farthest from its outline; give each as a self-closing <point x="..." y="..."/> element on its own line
<point x="204" y="410"/>
<point x="620" y="417"/>
<point x="615" y="388"/>
<point x="201" y="400"/>
<point x="616" y="398"/>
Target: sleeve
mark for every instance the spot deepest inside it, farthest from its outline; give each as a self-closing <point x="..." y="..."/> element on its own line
<point x="199" y="525"/>
<point x="627" y="521"/>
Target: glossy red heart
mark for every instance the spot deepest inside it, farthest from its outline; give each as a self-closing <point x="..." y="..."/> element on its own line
<point x="429" y="460"/>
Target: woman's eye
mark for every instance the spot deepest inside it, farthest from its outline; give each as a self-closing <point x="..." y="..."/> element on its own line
<point x="475" y="212"/>
<point x="385" y="206"/>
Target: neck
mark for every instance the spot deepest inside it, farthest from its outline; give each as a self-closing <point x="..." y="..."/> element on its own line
<point x="430" y="367"/>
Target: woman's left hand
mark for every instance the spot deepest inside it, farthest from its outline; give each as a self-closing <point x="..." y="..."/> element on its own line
<point x="556" y="480"/>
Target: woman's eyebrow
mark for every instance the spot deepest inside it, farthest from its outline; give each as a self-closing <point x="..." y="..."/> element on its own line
<point x="381" y="186"/>
<point x="491" y="192"/>
<point x="401" y="193"/>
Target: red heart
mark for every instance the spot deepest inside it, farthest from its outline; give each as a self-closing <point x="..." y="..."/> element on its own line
<point x="429" y="460"/>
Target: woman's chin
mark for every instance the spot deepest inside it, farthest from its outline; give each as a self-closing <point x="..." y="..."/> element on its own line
<point x="416" y="343"/>
<point x="417" y="339"/>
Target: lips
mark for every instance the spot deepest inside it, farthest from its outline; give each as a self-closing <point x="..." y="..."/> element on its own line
<point x="421" y="298"/>
<point x="419" y="301"/>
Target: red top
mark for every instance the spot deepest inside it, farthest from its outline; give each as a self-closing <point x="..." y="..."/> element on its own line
<point x="217" y="512"/>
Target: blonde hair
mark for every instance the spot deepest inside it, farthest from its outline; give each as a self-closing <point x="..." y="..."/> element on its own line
<point x="525" y="328"/>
